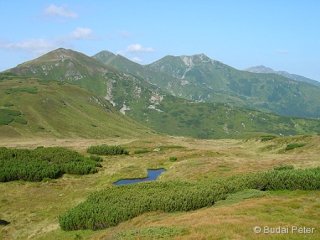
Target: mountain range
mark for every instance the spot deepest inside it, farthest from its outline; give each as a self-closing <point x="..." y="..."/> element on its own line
<point x="201" y="79"/>
<point x="185" y="95"/>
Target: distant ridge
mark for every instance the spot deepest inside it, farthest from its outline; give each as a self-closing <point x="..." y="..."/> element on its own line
<point x="264" y="69"/>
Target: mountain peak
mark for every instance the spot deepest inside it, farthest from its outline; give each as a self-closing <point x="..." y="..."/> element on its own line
<point x="105" y="54"/>
<point x="195" y="59"/>
<point x="59" y="54"/>
<point x="63" y="51"/>
<point x="260" y="69"/>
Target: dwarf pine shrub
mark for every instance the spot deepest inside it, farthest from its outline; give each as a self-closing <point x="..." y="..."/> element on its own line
<point x="117" y="204"/>
<point x="41" y="163"/>
<point x="107" y="150"/>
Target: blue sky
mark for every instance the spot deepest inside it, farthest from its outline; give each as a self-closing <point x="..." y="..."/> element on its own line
<point x="283" y="35"/>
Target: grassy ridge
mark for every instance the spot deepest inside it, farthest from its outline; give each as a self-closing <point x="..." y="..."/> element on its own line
<point x="114" y="205"/>
<point x="40" y="163"/>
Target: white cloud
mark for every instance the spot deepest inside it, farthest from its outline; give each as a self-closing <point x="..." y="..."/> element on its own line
<point x="135" y="52"/>
<point x="35" y="46"/>
<point x="136" y="48"/>
<point x="39" y="46"/>
<point x="59" y="11"/>
<point x="82" y="33"/>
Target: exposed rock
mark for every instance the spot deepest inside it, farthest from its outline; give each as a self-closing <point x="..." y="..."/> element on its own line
<point x="124" y="109"/>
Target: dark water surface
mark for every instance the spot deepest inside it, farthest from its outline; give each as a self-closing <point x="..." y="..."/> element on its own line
<point x="4" y="222"/>
<point x="153" y="174"/>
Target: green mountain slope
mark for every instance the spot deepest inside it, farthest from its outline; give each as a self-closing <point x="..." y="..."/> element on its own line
<point x="45" y="108"/>
<point x="134" y="96"/>
<point x="76" y="68"/>
<point x="215" y="120"/>
<point x="204" y="79"/>
<point x="199" y="78"/>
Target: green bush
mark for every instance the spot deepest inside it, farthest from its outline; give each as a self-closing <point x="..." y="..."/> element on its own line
<point x="7" y="116"/>
<point x="173" y="159"/>
<point x="267" y="138"/>
<point x="307" y="179"/>
<point x="96" y="158"/>
<point x="107" y="150"/>
<point x="41" y="163"/>
<point x="117" y="204"/>
<point x="291" y="146"/>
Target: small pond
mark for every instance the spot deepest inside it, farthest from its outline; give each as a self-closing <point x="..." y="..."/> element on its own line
<point x="4" y="222"/>
<point x="153" y="174"/>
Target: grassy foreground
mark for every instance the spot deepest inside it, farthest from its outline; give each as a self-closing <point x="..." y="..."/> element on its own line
<point x="197" y="161"/>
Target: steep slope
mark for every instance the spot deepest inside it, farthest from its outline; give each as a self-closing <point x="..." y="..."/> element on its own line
<point x="263" y="69"/>
<point x="206" y="80"/>
<point x="52" y="109"/>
